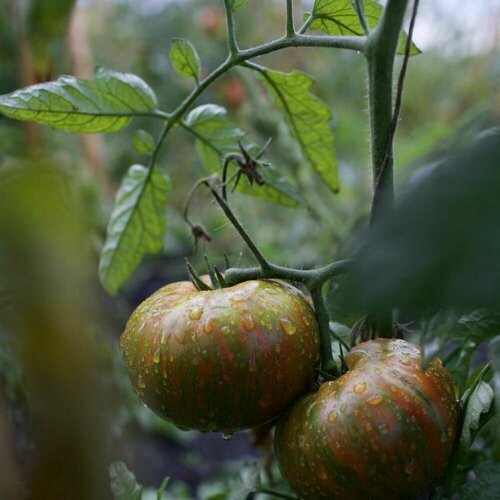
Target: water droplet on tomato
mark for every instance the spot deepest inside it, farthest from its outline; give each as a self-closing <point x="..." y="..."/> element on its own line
<point x="406" y="362"/>
<point x="360" y="388"/>
<point x="209" y="325"/>
<point x="226" y="436"/>
<point x="225" y="331"/>
<point x="248" y="323"/>
<point x="332" y="416"/>
<point x="163" y="339"/>
<point x="156" y="356"/>
<point x="288" y="327"/>
<point x="196" y="313"/>
<point x="375" y="400"/>
<point x="141" y="382"/>
<point x="343" y="408"/>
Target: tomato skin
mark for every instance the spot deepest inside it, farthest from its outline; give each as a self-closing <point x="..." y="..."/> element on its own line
<point x="221" y="360"/>
<point x="386" y="429"/>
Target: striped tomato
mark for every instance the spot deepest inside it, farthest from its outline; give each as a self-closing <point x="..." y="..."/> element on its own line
<point x="385" y="429"/>
<point x="221" y="360"/>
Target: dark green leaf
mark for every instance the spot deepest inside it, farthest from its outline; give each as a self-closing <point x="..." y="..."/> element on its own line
<point x="184" y="58"/>
<point x="143" y="142"/>
<point x="217" y="136"/>
<point x="106" y="103"/>
<point x="440" y="247"/>
<point x="339" y="17"/>
<point x="307" y="119"/>
<point x="137" y="225"/>
<point x="486" y="485"/>
<point x="123" y="483"/>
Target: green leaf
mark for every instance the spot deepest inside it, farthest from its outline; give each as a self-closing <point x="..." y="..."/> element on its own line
<point x="143" y="142"/>
<point x="307" y="120"/>
<point x="162" y="488"/>
<point x="123" y="483"/>
<point x="106" y="103"/>
<point x="137" y="225"/>
<point x="217" y="136"/>
<point x="238" y="5"/>
<point x="485" y="485"/>
<point x="184" y="58"/>
<point x="495" y="361"/>
<point x="478" y="404"/>
<point x="339" y="17"/>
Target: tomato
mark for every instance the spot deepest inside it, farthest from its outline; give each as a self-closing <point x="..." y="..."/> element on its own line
<point x="221" y="360"/>
<point x="385" y="429"/>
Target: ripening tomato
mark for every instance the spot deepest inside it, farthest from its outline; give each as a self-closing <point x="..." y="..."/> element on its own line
<point x="384" y="430"/>
<point x="221" y="360"/>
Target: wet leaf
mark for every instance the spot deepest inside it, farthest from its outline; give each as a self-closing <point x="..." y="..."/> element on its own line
<point x="143" y="142"/>
<point x="137" y="225"/>
<point x="339" y="17"/>
<point x="107" y="103"/>
<point x="307" y="118"/>
<point x="184" y="58"/>
<point x="217" y="136"/>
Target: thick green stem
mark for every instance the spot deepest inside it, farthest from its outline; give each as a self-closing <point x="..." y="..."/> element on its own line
<point x="380" y="54"/>
<point x="290" y="23"/>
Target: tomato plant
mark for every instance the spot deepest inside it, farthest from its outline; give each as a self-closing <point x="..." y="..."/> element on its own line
<point x="387" y="427"/>
<point x="383" y="418"/>
<point x="185" y="349"/>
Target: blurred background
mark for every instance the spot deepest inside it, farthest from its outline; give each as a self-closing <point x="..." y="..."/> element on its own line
<point x="67" y="409"/>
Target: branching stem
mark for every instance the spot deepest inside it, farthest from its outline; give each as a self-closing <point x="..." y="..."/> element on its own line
<point x="231" y="33"/>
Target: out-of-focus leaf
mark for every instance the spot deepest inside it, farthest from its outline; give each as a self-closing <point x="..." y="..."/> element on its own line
<point x="467" y="331"/>
<point x="162" y="488"/>
<point x="10" y="368"/>
<point x="439" y="248"/>
<point x="106" y="103"/>
<point x="143" y="142"/>
<point x="123" y="482"/>
<point x="137" y="225"/>
<point x="485" y="485"/>
<point x="238" y="4"/>
<point x="307" y="120"/>
<point x="217" y="136"/>
<point x="495" y="357"/>
<point x="184" y="58"/>
<point x="339" y="17"/>
<point x="47" y="24"/>
<point x="249" y="482"/>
